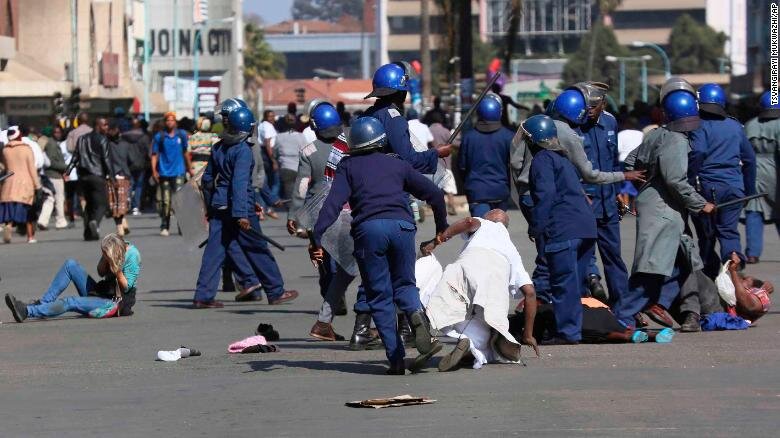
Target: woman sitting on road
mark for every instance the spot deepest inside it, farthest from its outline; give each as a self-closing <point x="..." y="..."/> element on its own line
<point x="114" y="295"/>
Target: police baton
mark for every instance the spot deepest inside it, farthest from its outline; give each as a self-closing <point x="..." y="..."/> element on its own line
<point x="471" y="110"/>
<point x="6" y="176"/>
<point x="257" y="234"/>
<point x="740" y="200"/>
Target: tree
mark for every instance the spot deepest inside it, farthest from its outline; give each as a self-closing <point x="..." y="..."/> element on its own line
<point x="515" y="9"/>
<point x="326" y="10"/>
<point x="606" y="8"/>
<point x="694" y="47"/>
<point x="602" y="42"/>
<point x="260" y="62"/>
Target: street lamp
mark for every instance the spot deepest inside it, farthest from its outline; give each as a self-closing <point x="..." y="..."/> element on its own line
<point x="657" y="48"/>
<point x="622" y="60"/>
<point x="196" y="59"/>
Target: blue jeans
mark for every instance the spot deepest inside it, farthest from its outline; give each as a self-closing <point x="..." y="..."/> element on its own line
<point x="138" y="181"/>
<point x="70" y="272"/>
<point x="478" y="209"/>
<point x="754" y="233"/>
<point x="385" y="254"/>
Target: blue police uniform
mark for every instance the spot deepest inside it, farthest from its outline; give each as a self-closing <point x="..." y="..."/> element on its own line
<point x="230" y="170"/>
<point x="483" y="159"/>
<point x="223" y="231"/>
<point x="376" y="187"/>
<point x="562" y="219"/>
<point x="722" y="166"/>
<point x="398" y="140"/>
<point x="601" y="147"/>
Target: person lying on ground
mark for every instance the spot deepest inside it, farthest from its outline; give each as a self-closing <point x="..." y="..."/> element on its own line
<point x="699" y="297"/>
<point x="599" y="325"/>
<point x="114" y="295"/>
<point x="471" y="301"/>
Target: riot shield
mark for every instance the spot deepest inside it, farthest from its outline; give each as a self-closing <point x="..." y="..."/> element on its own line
<point x="190" y="211"/>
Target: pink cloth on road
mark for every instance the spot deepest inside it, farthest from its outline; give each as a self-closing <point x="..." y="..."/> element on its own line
<point x="238" y="346"/>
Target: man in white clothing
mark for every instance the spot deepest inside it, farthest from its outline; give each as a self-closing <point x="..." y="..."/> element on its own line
<point x="471" y="301"/>
<point x="418" y="129"/>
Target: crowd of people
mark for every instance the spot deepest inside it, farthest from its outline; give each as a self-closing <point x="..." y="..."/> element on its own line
<point x="687" y="170"/>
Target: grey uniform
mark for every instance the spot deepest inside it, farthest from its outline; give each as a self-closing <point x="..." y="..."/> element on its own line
<point x="311" y="175"/>
<point x="765" y="138"/>
<point x="520" y="160"/>
<point x="662" y="201"/>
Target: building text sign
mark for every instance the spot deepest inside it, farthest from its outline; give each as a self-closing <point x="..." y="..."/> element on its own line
<point x="214" y="42"/>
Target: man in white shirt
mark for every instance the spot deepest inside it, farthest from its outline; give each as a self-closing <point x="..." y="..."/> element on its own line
<point x="418" y="129"/>
<point x="472" y="298"/>
<point x="267" y="134"/>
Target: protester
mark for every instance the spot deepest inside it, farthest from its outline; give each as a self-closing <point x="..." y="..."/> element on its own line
<point x="93" y="164"/>
<point x="73" y="197"/>
<point x="629" y="138"/>
<point x="375" y="186"/>
<point x="472" y="298"/>
<point x="344" y="115"/>
<point x="140" y="163"/>
<point x="441" y="136"/>
<point x="722" y="166"/>
<point x="563" y="221"/>
<point x="266" y="133"/>
<point x="118" y="186"/>
<point x="170" y="162"/>
<point x="19" y="191"/>
<point x="288" y="147"/>
<point x="114" y="295"/>
<point x="763" y="132"/>
<point x="82" y="128"/>
<point x="316" y="168"/>
<point x="55" y="202"/>
<point x="506" y="100"/>
<point x="419" y="130"/>
<point x="441" y="114"/>
<point x="483" y="160"/>
<point x="658" y="258"/>
<point x="200" y="143"/>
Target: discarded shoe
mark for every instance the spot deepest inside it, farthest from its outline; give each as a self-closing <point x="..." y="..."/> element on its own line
<point x="267" y="331"/>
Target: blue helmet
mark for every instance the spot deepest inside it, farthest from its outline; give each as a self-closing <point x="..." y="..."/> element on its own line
<point x="489" y="109"/>
<point x="366" y="134"/>
<point x="682" y="111"/>
<point x="768" y="109"/>
<point x="388" y="79"/>
<point x="712" y="99"/>
<point x="241" y="120"/>
<point x="712" y="93"/>
<point x="324" y="116"/>
<point x="540" y="128"/>
<point x="570" y="105"/>
<point x="228" y="105"/>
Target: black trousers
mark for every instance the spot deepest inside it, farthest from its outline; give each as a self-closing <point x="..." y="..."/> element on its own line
<point x="93" y="188"/>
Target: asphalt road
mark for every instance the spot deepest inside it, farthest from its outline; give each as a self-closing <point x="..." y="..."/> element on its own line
<point x="81" y="377"/>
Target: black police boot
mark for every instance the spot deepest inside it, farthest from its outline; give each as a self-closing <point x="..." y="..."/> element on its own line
<point x="597" y="291"/>
<point x="421" y="327"/>
<point x="405" y="330"/>
<point x="362" y="336"/>
<point x="228" y="285"/>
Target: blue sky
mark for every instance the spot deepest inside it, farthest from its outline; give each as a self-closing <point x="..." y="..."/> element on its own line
<point x="272" y="11"/>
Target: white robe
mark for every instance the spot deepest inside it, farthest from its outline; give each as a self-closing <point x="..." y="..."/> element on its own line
<point x="473" y="293"/>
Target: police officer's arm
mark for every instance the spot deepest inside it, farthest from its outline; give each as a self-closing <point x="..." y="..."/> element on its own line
<point x="519" y="159"/>
<point x="339" y="194"/>
<point x="543" y="192"/>
<point x="400" y="143"/>
<point x="576" y="154"/>
<point x="673" y="167"/>
<point x="748" y="157"/>
<point x="300" y="188"/>
<point x="207" y="182"/>
<point x="239" y="185"/>
<point x="422" y="188"/>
